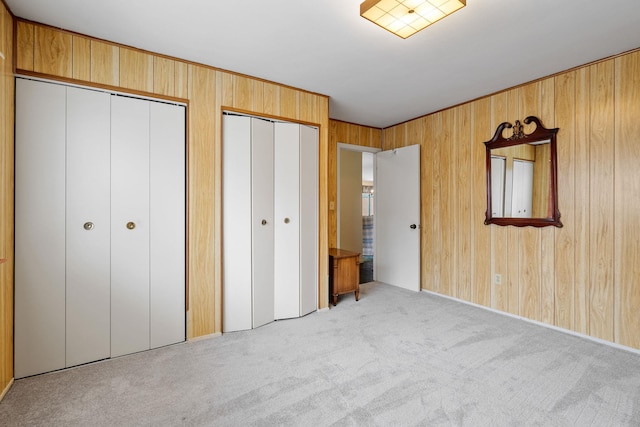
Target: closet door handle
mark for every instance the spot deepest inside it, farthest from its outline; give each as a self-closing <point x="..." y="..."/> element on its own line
<point x="287" y="220"/>
<point x="88" y="226"/>
<point x="264" y="222"/>
<point x="131" y="225"/>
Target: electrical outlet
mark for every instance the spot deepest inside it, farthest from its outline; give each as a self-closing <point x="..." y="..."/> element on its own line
<point x="498" y="279"/>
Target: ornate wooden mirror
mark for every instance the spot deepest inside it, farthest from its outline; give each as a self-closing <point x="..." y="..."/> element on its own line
<point x="522" y="176"/>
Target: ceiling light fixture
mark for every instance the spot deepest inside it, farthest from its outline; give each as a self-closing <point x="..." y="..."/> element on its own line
<point x="404" y="18"/>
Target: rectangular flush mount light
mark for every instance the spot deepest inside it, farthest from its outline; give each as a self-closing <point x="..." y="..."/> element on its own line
<point x="404" y="18"/>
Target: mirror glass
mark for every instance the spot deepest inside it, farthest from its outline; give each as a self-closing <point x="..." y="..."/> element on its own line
<point x="521" y="176"/>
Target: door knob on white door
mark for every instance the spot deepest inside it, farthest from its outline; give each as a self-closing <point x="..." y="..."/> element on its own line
<point x="264" y="222"/>
<point x="88" y="226"/>
<point x="131" y="225"/>
<point x="286" y="220"/>
<point x="413" y="226"/>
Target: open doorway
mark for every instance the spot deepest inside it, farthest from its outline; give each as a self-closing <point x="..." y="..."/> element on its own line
<point x="356" y="206"/>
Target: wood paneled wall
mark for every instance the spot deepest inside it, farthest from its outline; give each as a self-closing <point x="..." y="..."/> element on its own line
<point x="584" y="277"/>
<point x="346" y="133"/>
<point x="56" y="54"/>
<point x="6" y="199"/>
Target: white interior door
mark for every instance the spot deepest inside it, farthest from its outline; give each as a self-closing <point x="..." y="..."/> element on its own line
<point x="39" y="228"/>
<point x="167" y="223"/>
<point x="88" y="226"/>
<point x="129" y="225"/>
<point x="287" y="221"/>
<point x="397" y="219"/>
<point x="262" y="221"/>
<point x="236" y="223"/>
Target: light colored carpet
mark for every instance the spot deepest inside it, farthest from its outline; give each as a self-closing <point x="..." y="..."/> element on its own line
<point x="393" y="358"/>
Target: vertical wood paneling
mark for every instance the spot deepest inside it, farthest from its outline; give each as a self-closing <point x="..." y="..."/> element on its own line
<point x="601" y="147"/>
<point x="481" y="234"/>
<point x="242" y="93"/>
<point x="565" y="237"/>
<point x="288" y="102"/>
<point x="6" y="199"/>
<point x="164" y="76"/>
<point x="81" y="58"/>
<point x="581" y="202"/>
<point x="547" y="234"/>
<point x="307" y="105"/>
<point x="136" y="70"/>
<point x="25" y="40"/>
<point x="271" y="99"/>
<point x="462" y="210"/>
<point x="257" y="94"/>
<point x="513" y="234"/>
<point x="203" y="306"/>
<point x="446" y="202"/>
<point x="627" y="200"/>
<point x="436" y="209"/>
<point x="105" y="63"/>
<point x="181" y="80"/>
<point x="499" y="235"/>
<point x="53" y="51"/>
<point x="428" y="249"/>
<point x="529" y="255"/>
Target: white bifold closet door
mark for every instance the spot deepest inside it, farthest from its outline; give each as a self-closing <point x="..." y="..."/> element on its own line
<point x="296" y="221"/>
<point x="129" y="225"/>
<point x="147" y="225"/>
<point x="247" y="211"/>
<point x="39" y="325"/>
<point x="262" y="234"/>
<point x="167" y="243"/>
<point x="308" y="219"/>
<point x="270" y="215"/>
<point x="100" y="226"/>
<point x="88" y="226"/>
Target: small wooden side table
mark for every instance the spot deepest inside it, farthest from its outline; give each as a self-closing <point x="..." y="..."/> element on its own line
<point x="344" y="273"/>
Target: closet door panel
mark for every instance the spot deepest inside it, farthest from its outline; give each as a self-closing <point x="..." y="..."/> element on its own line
<point x="287" y="220"/>
<point x="129" y="225"/>
<point x="87" y="226"/>
<point x="308" y="219"/>
<point x="39" y="228"/>
<point x="236" y="224"/>
<point x="262" y="221"/>
<point x="167" y="224"/>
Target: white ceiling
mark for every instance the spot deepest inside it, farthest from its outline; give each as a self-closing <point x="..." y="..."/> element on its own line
<point x="373" y="77"/>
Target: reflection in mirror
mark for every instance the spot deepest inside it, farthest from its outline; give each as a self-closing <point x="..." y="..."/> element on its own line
<point x="521" y="176"/>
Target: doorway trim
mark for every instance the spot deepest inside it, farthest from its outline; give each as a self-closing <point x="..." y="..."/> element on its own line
<point x="361" y="149"/>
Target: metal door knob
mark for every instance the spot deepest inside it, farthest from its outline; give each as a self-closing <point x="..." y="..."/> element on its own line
<point x="88" y="226"/>
<point x="413" y="226"/>
<point x="131" y="225"/>
<point x="264" y="222"/>
<point x="286" y="220"/>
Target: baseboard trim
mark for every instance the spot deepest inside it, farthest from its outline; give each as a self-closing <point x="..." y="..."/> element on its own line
<point x="6" y="390"/>
<point x="205" y="337"/>
<point x="536" y="322"/>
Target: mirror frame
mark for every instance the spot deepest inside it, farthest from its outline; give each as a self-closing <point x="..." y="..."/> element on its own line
<point x="519" y="137"/>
